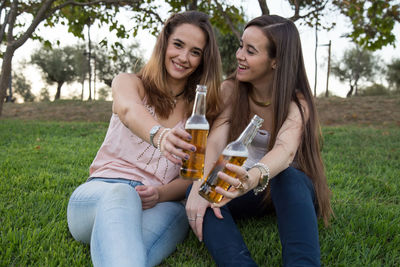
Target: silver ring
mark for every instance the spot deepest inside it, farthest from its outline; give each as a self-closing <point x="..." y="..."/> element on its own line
<point x="199" y="215"/>
<point x="239" y="186"/>
<point x="191" y="219"/>
<point x="246" y="177"/>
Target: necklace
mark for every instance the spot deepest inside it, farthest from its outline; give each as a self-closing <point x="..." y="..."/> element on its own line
<point x="259" y="103"/>
<point x="178" y="95"/>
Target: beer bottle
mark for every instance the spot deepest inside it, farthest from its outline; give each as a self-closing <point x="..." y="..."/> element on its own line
<point x="235" y="153"/>
<point x="197" y="126"/>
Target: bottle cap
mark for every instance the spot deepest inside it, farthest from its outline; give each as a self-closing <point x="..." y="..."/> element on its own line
<point x="257" y="120"/>
<point x="201" y="88"/>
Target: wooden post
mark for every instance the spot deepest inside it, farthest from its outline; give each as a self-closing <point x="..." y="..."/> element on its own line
<point x="316" y="65"/>
<point x="329" y="69"/>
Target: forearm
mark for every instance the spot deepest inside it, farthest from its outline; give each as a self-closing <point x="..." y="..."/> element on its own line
<point x="173" y="191"/>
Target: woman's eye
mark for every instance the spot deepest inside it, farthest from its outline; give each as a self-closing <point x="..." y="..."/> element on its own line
<point x="196" y="53"/>
<point x="179" y="45"/>
<point x="250" y="52"/>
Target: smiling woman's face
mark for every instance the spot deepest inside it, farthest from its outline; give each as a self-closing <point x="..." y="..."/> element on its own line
<point x="184" y="51"/>
<point x="254" y="63"/>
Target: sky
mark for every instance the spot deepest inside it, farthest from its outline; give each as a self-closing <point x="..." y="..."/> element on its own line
<point x="252" y="10"/>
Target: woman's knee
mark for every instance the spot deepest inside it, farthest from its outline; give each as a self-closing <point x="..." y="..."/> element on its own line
<point x="121" y="194"/>
<point x="292" y="185"/>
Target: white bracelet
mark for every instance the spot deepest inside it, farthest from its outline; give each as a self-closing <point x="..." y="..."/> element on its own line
<point x="264" y="178"/>
<point x="164" y="131"/>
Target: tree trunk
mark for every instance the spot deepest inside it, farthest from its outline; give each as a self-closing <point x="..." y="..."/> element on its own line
<point x="351" y="91"/>
<point x="5" y="74"/>
<point x="58" y="94"/>
<point x="83" y="82"/>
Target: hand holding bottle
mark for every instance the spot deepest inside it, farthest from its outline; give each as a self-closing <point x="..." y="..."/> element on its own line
<point x="240" y="182"/>
<point x="172" y="144"/>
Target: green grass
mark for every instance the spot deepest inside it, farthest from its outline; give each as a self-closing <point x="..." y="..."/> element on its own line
<point x="41" y="163"/>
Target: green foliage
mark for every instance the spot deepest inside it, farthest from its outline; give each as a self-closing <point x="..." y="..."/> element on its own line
<point x="44" y="95"/>
<point x="57" y="65"/>
<point x="228" y="45"/>
<point x="374" y="90"/>
<point x="372" y="21"/>
<point x="22" y="87"/>
<point x="104" y="92"/>
<point x="41" y="163"/>
<point x="393" y="74"/>
<point x="110" y="63"/>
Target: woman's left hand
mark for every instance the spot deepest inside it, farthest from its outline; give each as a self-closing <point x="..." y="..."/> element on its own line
<point x="148" y="194"/>
<point x="240" y="185"/>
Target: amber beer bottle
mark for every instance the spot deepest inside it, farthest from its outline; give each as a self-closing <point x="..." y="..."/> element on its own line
<point x="197" y="126"/>
<point x="236" y="153"/>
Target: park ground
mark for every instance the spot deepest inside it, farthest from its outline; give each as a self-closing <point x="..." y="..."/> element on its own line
<point x="333" y="111"/>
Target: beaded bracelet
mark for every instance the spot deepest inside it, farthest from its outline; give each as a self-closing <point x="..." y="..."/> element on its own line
<point x="264" y="178"/>
<point x="164" y="131"/>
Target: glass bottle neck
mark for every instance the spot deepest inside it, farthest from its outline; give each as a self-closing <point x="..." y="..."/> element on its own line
<point x="199" y="107"/>
<point x="247" y="136"/>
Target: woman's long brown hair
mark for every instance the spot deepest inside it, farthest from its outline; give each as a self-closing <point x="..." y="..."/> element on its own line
<point x="153" y="74"/>
<point x="289" y="79"/>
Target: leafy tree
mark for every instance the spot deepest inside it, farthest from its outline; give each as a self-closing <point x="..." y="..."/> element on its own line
<point x="372" y="21"/>
<point x="356" y="65"/>
<point x="104" y="92"/>
<point x="58" y="65"/>
<point x="44" y="95"/>
<point x="374" y="90"/>
<point x="22" y="87"/>
<point x="228" y="45"/>
<point x="393" y="75"/>
<point x="110" y="63"/>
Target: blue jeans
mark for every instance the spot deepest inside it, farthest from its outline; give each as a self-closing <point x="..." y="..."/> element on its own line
<point x="107" y="213"/>
<point x="293" y="198"/>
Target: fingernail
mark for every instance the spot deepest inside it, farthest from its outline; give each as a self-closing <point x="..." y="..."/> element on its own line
<point x="189" y="137"/>
<point x="193" y="149"/>
<point x="186" y="157"/>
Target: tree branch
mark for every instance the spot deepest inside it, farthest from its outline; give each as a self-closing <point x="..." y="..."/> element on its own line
<point x="264" y="7"/>
<point x="11" y="21"/>
<point x="297" y="16"/>
<point x="3" y="26"/>
<point x="228" y="20"/>
<point x="40" y="16"/>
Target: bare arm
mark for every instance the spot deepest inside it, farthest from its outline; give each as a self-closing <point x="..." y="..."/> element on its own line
<point x="277" y="159"/>
<point x="287" y="141"/>
<point x="128" y="92"/>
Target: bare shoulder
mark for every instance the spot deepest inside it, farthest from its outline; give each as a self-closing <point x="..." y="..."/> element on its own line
<point x="227" y="88"/>
<point x="304" y="105"/>
<point x="128" y="81"/>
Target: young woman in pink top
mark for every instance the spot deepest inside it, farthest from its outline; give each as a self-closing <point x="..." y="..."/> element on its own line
<point x="284" y="171"/>
<point x="129" y="210"/>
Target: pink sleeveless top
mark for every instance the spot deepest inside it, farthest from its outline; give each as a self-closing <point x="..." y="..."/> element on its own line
<point x="125" y="155"/>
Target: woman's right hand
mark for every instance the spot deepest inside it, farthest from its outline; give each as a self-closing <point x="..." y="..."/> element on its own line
<point x="173" y="143"/>
<point x="196" y="208"/>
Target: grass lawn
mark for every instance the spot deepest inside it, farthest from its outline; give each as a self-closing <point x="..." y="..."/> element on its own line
<point x="41" y="163"/>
